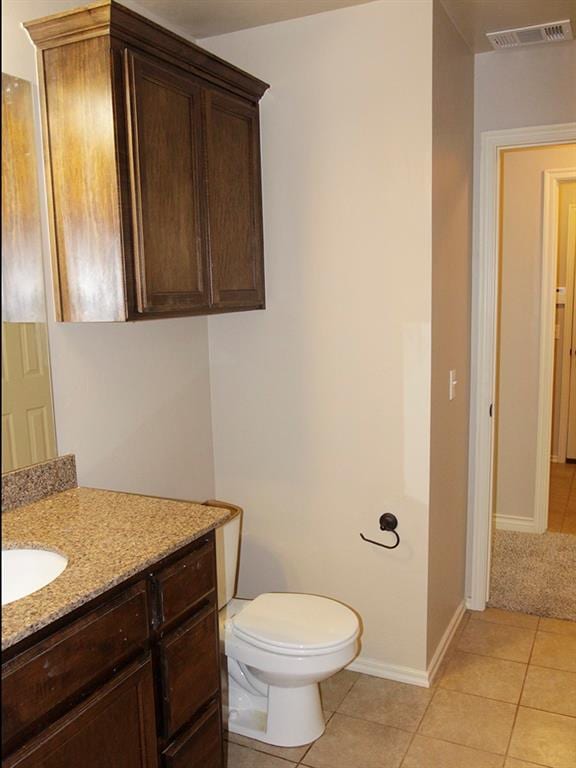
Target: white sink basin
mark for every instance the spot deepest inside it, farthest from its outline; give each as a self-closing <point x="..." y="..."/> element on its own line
<point x="27" y="570"/>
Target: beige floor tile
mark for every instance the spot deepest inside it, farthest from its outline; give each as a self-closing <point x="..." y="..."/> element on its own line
<point x="288" y="753"/>
<point x="386" y="702"/>
<point x="352" y="743"/>
<point x="503" y="642"/>
<point x="508" y="618"/>
<point x="554" y="651"/>
<point x="242" y="757"/>
<point x="469" y="720"/>
<point x="551" y="690"/>
<point x="558" y="626"/>
<point x="484" y="676"/>
<point x="432" y="753"/>
<point x="544" y="738"/>
<point x="333" y="690"/>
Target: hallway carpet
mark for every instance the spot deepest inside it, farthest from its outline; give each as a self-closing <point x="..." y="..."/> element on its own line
<point x="534" y="573"/>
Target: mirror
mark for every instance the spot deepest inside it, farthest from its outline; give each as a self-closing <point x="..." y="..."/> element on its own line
<point x="28" y="434"/>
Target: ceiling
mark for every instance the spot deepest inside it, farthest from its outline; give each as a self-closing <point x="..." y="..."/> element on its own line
<point x="206" y="18"/>
<point x="476" y="17"/>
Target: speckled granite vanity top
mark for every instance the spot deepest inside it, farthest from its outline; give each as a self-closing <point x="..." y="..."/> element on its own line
<point x="106" y="536"/>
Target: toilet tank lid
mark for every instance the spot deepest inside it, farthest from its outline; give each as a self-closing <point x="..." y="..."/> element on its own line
<point x="297" y="621"/>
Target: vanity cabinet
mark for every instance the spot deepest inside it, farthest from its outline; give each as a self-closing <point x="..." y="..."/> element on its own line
<point x="131" y="679"/>
<point x="152" y="155"/>
<point x="114" y="726"/>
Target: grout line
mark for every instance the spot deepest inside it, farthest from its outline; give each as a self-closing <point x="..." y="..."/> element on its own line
<point x="487" y="698"/>
<point x="254" y="748"/>
<point x="521" y="693"/>
<point x="375" y="722"/>
<point x="417" y="731"/>
<point x="259" y="752"/>
<point x="508" y="626"/>
<point x="456" y="744"/>
<point x="548" y="711"/>
<point x="488" y="656"/>
<point x="332" y="713"/>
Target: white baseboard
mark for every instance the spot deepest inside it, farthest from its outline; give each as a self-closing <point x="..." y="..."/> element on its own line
<point x="445" y="641"/>
<point x="410" y="675"/>
<point x="521" y="524"/>
<point x="390" y="671"/>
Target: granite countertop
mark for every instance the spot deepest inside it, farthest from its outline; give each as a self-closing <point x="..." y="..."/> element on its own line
<point x="106" y="536"/>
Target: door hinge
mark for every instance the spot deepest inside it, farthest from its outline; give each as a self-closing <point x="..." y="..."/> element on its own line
<point x="491" y="410"/>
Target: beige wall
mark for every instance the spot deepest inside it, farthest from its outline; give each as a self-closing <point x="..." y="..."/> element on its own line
<point x="321" y="410"/>
<point x="453" y="125"/>
<point x="527" y="86"/>
<point x="520" y="296"/>
<point x="321" y="403"/>
<point x="567" y="197"/>
<point x="132" y="401"/>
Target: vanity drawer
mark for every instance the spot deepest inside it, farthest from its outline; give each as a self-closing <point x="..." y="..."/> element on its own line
<point x="189" y="660"/>
<point x="70" y="660"/>
<point x="113" y="727"/>
<point x="182" y="585"/>
<point x="200" y="745"/>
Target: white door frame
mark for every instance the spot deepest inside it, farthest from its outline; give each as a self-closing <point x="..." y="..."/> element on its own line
<point x="567" y="345"/>
<point x="552" y="180"/>
<point x="484" y="340"/>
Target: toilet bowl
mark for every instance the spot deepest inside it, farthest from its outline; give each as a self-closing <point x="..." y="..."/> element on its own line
<point x="276" y="649"/>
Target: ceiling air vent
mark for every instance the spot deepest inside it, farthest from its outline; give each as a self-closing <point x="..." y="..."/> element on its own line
<point x="555" y="32"/>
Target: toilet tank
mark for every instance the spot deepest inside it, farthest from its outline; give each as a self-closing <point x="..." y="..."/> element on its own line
<point x="227" y="551"/>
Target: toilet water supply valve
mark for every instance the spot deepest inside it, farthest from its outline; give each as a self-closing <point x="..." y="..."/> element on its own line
<point x="388" y="522"/>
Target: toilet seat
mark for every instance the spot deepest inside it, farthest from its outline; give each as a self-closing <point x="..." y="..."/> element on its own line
<point x="295" y="624"/>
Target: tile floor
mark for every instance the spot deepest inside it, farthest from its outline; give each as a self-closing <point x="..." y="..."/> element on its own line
<point x="504" y="698"/>
<point x="562" y="499"/>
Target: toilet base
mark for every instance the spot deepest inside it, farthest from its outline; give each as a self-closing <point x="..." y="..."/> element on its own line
<point x="286" y="717"/>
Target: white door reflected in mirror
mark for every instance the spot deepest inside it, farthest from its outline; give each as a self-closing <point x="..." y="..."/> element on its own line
<point x="25" y="571"/>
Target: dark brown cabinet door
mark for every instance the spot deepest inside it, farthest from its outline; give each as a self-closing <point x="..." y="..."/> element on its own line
<point x="114" y="727"/>
<point x="234" y="203"/>
<point x="190" y="669"/>
<point x="200" y="745"/>
<point x="165" y="149"/>
<point x="59" y="668"/>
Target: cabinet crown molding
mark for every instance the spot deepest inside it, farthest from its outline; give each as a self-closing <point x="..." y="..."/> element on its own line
<point x="111" y="18"/>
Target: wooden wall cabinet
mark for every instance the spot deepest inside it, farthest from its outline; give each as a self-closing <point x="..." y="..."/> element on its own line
<point x="131" y="679"/>
<point x="152" y="154"/>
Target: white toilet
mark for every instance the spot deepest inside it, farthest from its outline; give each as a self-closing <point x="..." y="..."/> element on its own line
<point x="277" y="648"/>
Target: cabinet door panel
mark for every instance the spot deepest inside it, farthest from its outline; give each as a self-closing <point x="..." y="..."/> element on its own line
<point x="66" y="663"/>
<point x="234" y="203"/>
<point x="114" y="727"/>
<point x="190" y="669"/>
<point x="201" y="745"/>
<point x="168" y="188"/>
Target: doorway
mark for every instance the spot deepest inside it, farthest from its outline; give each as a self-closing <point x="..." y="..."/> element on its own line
<point x="484" y="343"/>
<point x="562" y="499"/>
